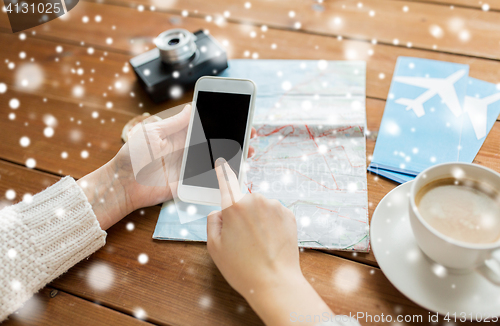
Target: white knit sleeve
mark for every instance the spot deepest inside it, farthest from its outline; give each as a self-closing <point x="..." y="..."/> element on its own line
<point x="43" y="238"/>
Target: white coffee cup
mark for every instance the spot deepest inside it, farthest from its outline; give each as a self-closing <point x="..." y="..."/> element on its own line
<point x="457" y="256"/>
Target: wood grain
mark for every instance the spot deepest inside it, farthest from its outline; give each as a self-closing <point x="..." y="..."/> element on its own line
<point x="494" y="5"/>
<point x="75" y="131"/>
<point x="459" y="30"/>
<point x="53" y="307"/>
<point x="290" y="45"/>
<point x="180" y="285"/>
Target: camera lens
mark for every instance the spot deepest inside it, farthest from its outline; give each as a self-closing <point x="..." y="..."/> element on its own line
<point x="174" y="41"/>
<point x="176" y="45"/>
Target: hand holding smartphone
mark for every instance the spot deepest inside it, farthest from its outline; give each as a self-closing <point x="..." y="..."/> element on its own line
<point x="220" y="126"/>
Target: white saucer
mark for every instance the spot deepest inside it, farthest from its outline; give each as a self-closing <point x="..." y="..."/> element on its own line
<point x="415" y="275"/>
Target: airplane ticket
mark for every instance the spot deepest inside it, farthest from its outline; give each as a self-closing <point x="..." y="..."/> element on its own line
<point x="434" y="114"/>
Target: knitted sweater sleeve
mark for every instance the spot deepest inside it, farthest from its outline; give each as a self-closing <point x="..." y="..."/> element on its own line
<point x="43" y="238"/>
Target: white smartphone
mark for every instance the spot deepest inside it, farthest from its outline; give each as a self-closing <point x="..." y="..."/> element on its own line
<point x="220" y="126"/>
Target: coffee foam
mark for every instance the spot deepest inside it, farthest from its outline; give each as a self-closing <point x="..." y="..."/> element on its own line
<point x="462" y="209"/>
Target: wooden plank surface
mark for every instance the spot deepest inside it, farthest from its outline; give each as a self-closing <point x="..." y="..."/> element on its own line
<point x="180" y="285"/>
<point x="290" y="45"/>
<point x="75" y="131"/>
<point x="78" y="167"/>
<point x="492" y="5"/>
<point x="424" y="25"/>
<point x="53" y="307"/>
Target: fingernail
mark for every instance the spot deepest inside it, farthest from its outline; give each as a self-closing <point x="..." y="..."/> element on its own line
<point x="219" y="162"/>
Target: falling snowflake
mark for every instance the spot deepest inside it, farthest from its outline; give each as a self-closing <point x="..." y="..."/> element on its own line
<point x="78" y="91"/>
<point x="12" y="253"/>
<point x="205" y="302"/>
<point x="352" y="187"/>
<point x="139" y="313"/>
<point x="143" y="259"/>
<point x="264" y="186"/>
<point x="346" y="278"/>
<point x="14" y="103"/>
<point x="60" y="212"/>
<point x="30" y="163"/>
<point x="16" y="285"/>
<point x="457" y="173"/>
<point x="439" y="270"/>
<point x="191" y="209"/>
<point x="286" y="85"/>
<point x="100" y="276"/>
<point x="10" y="194"/>
<point x="337" y="21"/>
<point x="27" y="198"/>
<point x="305" y="221"/>
<point x="464" y="35"/>
<point x="24" y="141"/>
<point x="48" y="132"/>
<point x="176" y="91"/>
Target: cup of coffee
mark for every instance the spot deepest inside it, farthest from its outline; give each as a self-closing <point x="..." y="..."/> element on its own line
<point x="455" y="216"/>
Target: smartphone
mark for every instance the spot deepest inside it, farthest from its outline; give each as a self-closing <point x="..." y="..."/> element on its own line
<point x="220" y="126"/>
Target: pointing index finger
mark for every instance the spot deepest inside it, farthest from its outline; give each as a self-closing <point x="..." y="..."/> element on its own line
<point x="228" y="183"/>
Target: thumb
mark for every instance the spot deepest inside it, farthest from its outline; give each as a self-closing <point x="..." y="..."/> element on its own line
<point x="214" y="227"/>
<point x="175" y="123"/>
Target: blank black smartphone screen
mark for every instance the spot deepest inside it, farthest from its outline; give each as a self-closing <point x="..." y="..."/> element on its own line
<point x="218" y="130"/>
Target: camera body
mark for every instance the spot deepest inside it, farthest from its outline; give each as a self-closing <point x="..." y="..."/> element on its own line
<point x="177" y="62"/>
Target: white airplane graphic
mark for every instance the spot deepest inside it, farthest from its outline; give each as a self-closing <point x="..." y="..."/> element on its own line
<point x="441" y="86"/>
<point x="477" y="108"/>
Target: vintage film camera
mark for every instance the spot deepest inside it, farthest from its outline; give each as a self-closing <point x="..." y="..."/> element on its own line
<point x="179" y="59"/>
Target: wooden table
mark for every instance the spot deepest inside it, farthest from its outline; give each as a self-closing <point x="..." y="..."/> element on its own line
<point x="80" y="76"/>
